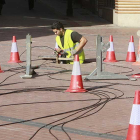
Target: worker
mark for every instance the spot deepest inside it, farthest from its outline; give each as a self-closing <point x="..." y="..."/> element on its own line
<point x="69" y="42"/>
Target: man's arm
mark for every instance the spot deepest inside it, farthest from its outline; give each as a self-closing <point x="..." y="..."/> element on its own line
<point x="82" y="43"/>
<point x="57" y="48"/>
<point x="76" y="37"/>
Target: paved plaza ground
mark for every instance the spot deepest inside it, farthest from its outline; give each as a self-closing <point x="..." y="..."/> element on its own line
<point x="39" y="108"/>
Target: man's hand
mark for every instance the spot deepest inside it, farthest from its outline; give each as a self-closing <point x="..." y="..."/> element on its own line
<point x="73" y="52"/>
<point x="55" y="52"/>
<point x="63" y="52"/>
<point x="58" y="50"/>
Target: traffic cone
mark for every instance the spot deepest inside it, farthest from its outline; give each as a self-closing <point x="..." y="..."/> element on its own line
<point x="14" y="57"/>
<point x="1" y="71"/>
<point x="76" y="84"/>
<point x="136" y="75"/>
<point x="138" y="56"/>
<point x="110" y="56"/>
<point x="131" y="57"/>
<point x="134" y="124"/>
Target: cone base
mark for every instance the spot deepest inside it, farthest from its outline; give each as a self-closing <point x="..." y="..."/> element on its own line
<point x="75" y="90"/>
<point x="136" y="63"/>
<point x="110" y="57"/>
<point x="14" y="58"/>
<point x="110" y="60"/>
<point x="136" y="75"/>
<point x="1" y="71"/>
<point x="131" y="57"/>
<point x="130" y="61"/>
<point x="15" y="61"/>
<point x="133" y="132"/>
<point x="76" y="84"/>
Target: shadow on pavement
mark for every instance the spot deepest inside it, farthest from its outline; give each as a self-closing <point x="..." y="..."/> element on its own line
<point x="16" y="18"/>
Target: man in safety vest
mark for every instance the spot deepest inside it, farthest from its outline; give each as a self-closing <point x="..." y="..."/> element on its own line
<point x="69" y="42"/>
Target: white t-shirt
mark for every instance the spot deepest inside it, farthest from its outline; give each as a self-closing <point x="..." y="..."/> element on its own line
<point x="56" y="46"/>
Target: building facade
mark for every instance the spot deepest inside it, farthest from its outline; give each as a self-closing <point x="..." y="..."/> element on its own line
<point x="119" y="12"/>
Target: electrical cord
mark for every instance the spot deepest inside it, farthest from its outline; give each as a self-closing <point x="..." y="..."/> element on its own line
<point x="67" y="121"/>
<point x="80" y="117"/>
<point x="42" y="117"/>
<point x="52" y="127"/>
<point x="9" y="76"/>
<point x="63" y="123"/>
<point x="87" y="109"/>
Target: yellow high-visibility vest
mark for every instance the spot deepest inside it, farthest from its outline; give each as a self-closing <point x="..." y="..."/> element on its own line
<point x="70" y="45"/>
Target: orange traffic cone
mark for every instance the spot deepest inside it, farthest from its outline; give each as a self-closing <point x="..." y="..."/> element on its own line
<point x="1" y="70"/>
<point x="110" y="56"/>
<point x="138" y="56"/>
<point x="134" y="124"/>
<point x="76" y="84"/>
<point x="131" y="57"/>
<point x="14" y="57"/>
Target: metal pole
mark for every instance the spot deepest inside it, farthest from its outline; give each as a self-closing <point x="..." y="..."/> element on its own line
<point x="98" y="73"/>
<point x="28" y="58"/>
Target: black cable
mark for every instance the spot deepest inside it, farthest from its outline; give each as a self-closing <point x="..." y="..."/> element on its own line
<point x="90" y="114"/>
<point x="80" y="117"/>
<point x="49" y="102"/>
<point x="9" y="76"/>
<point x="43" y="117"/>
<point x="52" y="123"/>
<point x="59" y="124"/>
<point x="46" y="126"/>
<point x="89" y="108"/>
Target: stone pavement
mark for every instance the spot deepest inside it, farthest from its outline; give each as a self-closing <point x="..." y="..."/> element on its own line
<point x="39" y="108"/>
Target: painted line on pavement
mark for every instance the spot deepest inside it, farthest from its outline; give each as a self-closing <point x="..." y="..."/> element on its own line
<point x="67" y="129"/>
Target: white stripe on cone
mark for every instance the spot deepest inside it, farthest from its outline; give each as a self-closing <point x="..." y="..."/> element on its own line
<point x="76" y="68"/>
<point x="135" y="115"/>
<point x="131" y="47"/>
<point x="111" y="47"/>
<point x="14" y="47"/>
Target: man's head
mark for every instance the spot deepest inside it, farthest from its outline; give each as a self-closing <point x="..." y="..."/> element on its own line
<point x="58" y="28"/>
